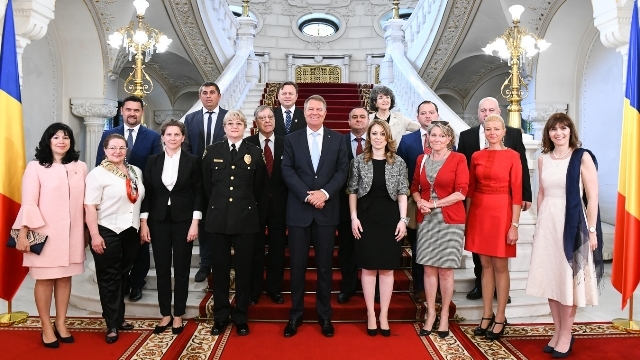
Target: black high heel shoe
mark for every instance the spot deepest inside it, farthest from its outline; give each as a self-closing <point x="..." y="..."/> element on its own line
<point x="480" y="331"/>
<point x="177" y="330"/>
<point x="159" y="329"/>
<point x="549" y="350"/>
<point x="491" y="336"/>
<point x="67" y="340"/>
<point x="52" y="345"/>
<point x="372" y="332"/>
<point x="424" y="332"/>
<point x="111" y="339"/>
<point x="558" y="354"/>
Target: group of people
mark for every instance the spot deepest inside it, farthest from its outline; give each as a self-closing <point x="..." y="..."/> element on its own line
<point x="388" y="178"/>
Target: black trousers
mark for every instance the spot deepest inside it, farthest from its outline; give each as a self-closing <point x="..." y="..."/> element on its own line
<point x="277" y="240"/>
<point x="417" y="270"/>
<point x="243" y="245"/>
<point x="477" y="270"/>
<point x="347" y="258"/>
<point x="112" y="268"/>
<point x="140" y="269"/>
<point x="169" y="238"/>
<point x="300" y="239"/>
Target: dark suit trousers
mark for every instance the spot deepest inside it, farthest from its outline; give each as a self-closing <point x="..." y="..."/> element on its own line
<point x="417" y="270"/>
<point x="477" y="270"/>
<point x="347" y="258"/>
<point x="112" y="268"/>
<point x="277" y="240"/>
<point x="205" y="241"/>
<point x="300" y="239"/>
<point x="141" y="265"/>
<point x="169" y="238"/>
<point x="243" y="245"/>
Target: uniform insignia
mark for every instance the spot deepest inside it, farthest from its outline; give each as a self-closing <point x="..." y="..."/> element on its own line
<point x="247" y="159"/>
<point x="218" y="160"/>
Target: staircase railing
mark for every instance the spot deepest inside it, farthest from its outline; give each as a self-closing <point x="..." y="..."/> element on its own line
<point x="397" y="72"/>
<point x="222" y="27"/>
<point x="421" y="28"/>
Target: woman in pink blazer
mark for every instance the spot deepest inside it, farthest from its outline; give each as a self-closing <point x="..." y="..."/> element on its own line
<point x="52" y="204"/>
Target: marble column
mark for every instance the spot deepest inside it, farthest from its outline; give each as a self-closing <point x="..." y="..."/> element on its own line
<point x="94" y="112"/>
<point x="394" y="37"/>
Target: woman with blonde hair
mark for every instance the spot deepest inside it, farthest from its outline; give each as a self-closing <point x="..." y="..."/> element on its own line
<point x="494" y="201"/>
<point x="378" y="205"/>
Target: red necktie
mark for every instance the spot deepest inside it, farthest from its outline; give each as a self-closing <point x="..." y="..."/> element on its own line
<point x="268" y="156"/>
<point x="359" y="146"/>
<point x="427" y="149"/>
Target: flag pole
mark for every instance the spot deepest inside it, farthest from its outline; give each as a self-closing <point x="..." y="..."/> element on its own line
<point x="13" y="318"/>
<point x="629" y="324"/>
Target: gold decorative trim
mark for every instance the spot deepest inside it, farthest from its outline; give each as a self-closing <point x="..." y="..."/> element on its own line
<point x="318" y="74"/>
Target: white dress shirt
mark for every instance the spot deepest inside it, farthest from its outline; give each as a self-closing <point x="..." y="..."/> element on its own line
<point x="354" y="142"/>
<point x="109" y="192"/>
<point x="272" y="139"/>
<point x="169" y="178"/>
<point x="310" y="142"/>
<point x="205" y="119"/>
<point x="134" y="134"/>
<point x="237" y="144"/>
<point x="482" y="138"/>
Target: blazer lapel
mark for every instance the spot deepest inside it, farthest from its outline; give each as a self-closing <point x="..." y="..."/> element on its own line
<point x="304" y="144"/>
<point x="199" y="124"/>
<point x="217" y="131"/>
<point x="418" y="142"/>
<point x="326" y="144"/>
<point x="476" y="138"/>
<point x="142" y="133"/>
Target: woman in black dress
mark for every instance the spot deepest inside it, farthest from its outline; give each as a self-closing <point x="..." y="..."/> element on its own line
<point x="378" y="190"/>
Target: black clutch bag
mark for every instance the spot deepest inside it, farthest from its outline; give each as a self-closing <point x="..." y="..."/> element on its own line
<point x="36" y="240"/>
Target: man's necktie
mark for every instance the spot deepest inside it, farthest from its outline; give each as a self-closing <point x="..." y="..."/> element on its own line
<point x="234" y="152"/>
<point x="287" y="121"/>
<point x="315" y="151"/>
<point x="425" y="144"/>
<point x="268" y="156"/>
<point x="129" y="143"/>
<point x="359" y="146"/>
<point x="209" y="122"/>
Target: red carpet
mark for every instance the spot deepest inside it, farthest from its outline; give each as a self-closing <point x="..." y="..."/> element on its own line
<point x="526" y="341"/>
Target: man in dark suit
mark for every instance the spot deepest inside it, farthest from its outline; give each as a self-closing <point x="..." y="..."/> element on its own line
<point x="412" y="146"/>
<point x="204" y="127"/>
<point x="234" y="180"/>
<point x="472" y="140"/>
<point x="354" y="142"/>
<point x="314" y="167"/>
<point x="141" y="142"/>
<point x="273" y="211"/>
<point x="289" y="118"/>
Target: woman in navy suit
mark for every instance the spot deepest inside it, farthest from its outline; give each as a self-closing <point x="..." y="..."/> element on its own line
<point x="169" y="219"/>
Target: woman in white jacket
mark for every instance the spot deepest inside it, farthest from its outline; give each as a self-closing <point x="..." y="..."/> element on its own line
<point x="382" y="101"/>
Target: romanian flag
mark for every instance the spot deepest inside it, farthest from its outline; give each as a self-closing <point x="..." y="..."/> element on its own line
<point x="12" y="158"/>
<point x="626" y="248"/>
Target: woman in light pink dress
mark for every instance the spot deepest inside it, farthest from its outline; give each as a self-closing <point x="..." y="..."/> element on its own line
<point x="52" y="204"/>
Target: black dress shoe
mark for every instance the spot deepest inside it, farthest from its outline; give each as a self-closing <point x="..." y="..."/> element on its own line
<point x="254" y="300"/>
<point x="547" y="349"/>
<point x="424" y="332"/>
<point x="111" y="339"/>
<point x="343" y="298"/>
<point x="385" y="332"/>
<point x="372" y="332"/>
<point x="475" y="294"/>
<point x="326" y="328"/>
<point x="125" y="326"/>
<point x="177" y="330"/>
<point x="443" y="334"/>
<point x="159" y="329"/>
<point x="292" y="327"/>
<point x="480" y="331"/>
<point x="242" y="329"/>
<point x="202" y="274"/>
<point x="491" y="335"/>
<point x="557" y="354"/>
<point x="219" y="327"/>
<point x="276" y="298"/>
<point x="51" y="345"/>
<point x="67" y="340"/>
<point x="135" y="295"/>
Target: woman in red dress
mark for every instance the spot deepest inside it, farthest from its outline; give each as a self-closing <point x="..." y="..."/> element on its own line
<point x="493" y="213"/>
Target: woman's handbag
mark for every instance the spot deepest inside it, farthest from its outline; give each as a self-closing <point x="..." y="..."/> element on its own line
<point x="35" y="239"/>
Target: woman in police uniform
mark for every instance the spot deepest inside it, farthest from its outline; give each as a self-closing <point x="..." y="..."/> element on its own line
<point x="234" y="178"/>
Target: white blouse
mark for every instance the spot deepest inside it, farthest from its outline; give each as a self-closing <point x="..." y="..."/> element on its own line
<point x="109" y="192"/>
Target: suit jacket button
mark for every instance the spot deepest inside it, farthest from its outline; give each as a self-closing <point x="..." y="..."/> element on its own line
<point x="230" y="199"/>
<point x="233" y="166"/>
<point x="212" y="207"/>
<point x="232" y="178"/>
<point x="231" y="188"/>
<point x="316" y="176"/>
<point x="249" y="207"/>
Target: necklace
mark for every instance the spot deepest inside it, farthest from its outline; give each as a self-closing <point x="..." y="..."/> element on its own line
<point x="561" y="156"/>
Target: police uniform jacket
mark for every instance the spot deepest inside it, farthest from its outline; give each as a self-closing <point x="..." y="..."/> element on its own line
<point x="233" y="187"/>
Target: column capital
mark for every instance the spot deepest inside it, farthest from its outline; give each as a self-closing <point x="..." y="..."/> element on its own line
<point x="613" y="20"/>
<point x="94" y="108"/>
<point x="160" y="116"/>
<point x="32" y="17"/>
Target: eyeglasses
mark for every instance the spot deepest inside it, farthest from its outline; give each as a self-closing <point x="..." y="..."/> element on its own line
<point x="440" y="122"/>
<point x="113" y="148"/>
<point x="262" y="118"/>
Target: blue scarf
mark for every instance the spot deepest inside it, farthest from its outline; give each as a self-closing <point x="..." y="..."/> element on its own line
<point x="576" y="233"/>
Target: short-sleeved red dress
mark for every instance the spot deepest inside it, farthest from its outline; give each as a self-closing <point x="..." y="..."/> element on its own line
<point x="495" y="184"/>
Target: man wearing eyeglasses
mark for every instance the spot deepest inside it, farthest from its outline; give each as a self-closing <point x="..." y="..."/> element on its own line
<point x="272" y="209"/>
<point x="410" y="148"/>
<point x="141" y="142"/>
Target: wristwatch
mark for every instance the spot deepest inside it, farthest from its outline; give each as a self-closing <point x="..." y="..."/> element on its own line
<point x="592" y="229"/>
<point x="516" y="225"/>
<point x="405" y="220"/>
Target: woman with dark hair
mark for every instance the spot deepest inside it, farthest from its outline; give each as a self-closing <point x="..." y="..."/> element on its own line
<point x="493" y="208"/>
<point x="439" y="186"/>
<point x="382" y="101"/>
<point x="113" y="197"/>
<point x="378" y="187"/>
<point x="568" y="238"/>
<point x="172" y="208"/>
<point x="52" y="197"/>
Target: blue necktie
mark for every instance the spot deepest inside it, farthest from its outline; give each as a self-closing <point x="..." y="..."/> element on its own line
<point x="287" y="121"/>
<point x="208" y="138"/>
<point x="315" y="151"/>
<point x="129" y="143"/>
